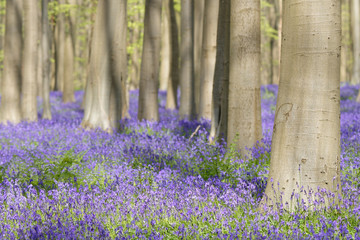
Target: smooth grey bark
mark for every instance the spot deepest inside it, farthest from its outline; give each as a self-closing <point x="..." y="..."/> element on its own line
<point x="199" y="7"/>
<point x="244" y="113"/>
<point x="187" y="83"/>
<point x="134" y="68"/>
<point x="171" y="97"/>
<point x="69" y="54"/>
<point x="208" y="57"/>
<point x="104" y="93"/>
<point x="165" y="62"/>
<point x="10" y="110"/>
<point x="276" y="49"/>
<point x="60" y="50"/>
<point x="45" y="51"/>
<point x="29" y="63"/>
<point x="355" y="19"/>
<point x="305" y="151"/>
<point x="219" y="113"/>
<point x="149" y="73"/>
<point x="39" y="79"/>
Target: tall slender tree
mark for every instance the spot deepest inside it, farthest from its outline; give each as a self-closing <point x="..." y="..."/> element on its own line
<point x="208" y="57"/>
<point x="244" y="116"/>
<point x="187" y="84"/>
<point x="306" y="136"/>
<point x="355" y="19"/>
<point x="171" y="97"/>
<point x="219" y="112"/>
<point x="45" y="51"/>
<point x="199" y="8"/>
<point x="104" y="103"/>
<point x="148" y="92"/>
<point x="60" y="48"/>
<point x="11" y="83"/>
<point x="30" y="59"/>
<point x="69" y="53"/>
<point x="165" y="63"/>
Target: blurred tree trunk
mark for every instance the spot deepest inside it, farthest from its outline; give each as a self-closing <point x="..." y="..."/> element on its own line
<point x="219" y="113"/>
<point x="276" y="43"/>
<point x="244" y="118"/>
<point x="171" y="97"/>
<point x="45" y="51"/>
<point x="39" y="71"/>
<point x="187" y="84"/>
<point x="104" y="97"/>
<point x="135" y="59"/>
<point x="266" y="56"/>
<point x="355" y="20"/>
<point x="149" y="83"/>
<point x="208" y="57"/>
<point x="69" y="54"/>
<point x="135" y="22"/>
<point x="345" y="41"/>
<point x="29" y="61"/>
<point x="11" y="83"/>
<point x="2" y="34"/>
<point x="60" y="49"/>
<point x="165" y="47"/>
<point x="199" y="7"/>
<point x="305" y="151"/>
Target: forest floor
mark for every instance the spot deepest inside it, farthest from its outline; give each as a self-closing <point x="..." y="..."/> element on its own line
<point x="152" y="180"/>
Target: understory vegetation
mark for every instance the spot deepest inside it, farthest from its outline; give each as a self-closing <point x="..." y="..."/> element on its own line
<point x="158" y="180"/>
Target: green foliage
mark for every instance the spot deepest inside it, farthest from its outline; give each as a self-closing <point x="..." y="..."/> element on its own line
<point x="54" y="9"/>
<point x="44" y="172"/>
<point x="266" y="28"/>
<point x="268" y="94"/>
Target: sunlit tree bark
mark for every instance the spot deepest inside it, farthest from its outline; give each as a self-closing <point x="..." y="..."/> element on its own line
<point x="148" y="93"/>
<point x="305" y="152"/>
<point x="355" y="19"/>
<point x="103" y="100"/>
<point x="29" y="61"/>
<point x="208" y="57"/>
<point x="11" y="83"/>
<point x="165" y="47"/>
<point x="244" y="118"/>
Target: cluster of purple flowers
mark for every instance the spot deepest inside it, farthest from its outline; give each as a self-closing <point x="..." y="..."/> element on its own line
<point x="151" y="180"/>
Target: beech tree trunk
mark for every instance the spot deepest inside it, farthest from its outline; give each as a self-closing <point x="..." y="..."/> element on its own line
<point x="355" y="18"/>
<point x="104" y="103"/>
<point x="306" y="136"/>
<point x="29" y="68"/>
<point x="219" y="113"/>
<point x="60" y="50"/>
<point x="208" y="57"/>
<point x="244" y="118"/>
<point x="39" y="70"/>
<point x="134" y="68"/>
<point x="165" y="47"/>
<point x="10" y="110"/>
<point x="148" y="93"/>
<point x="187" y="84"/>
<point x="171" y="97"/>
<point x="45" y="51"/>
<point x="69" y="55"/>
<point x="199" y="10"/>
